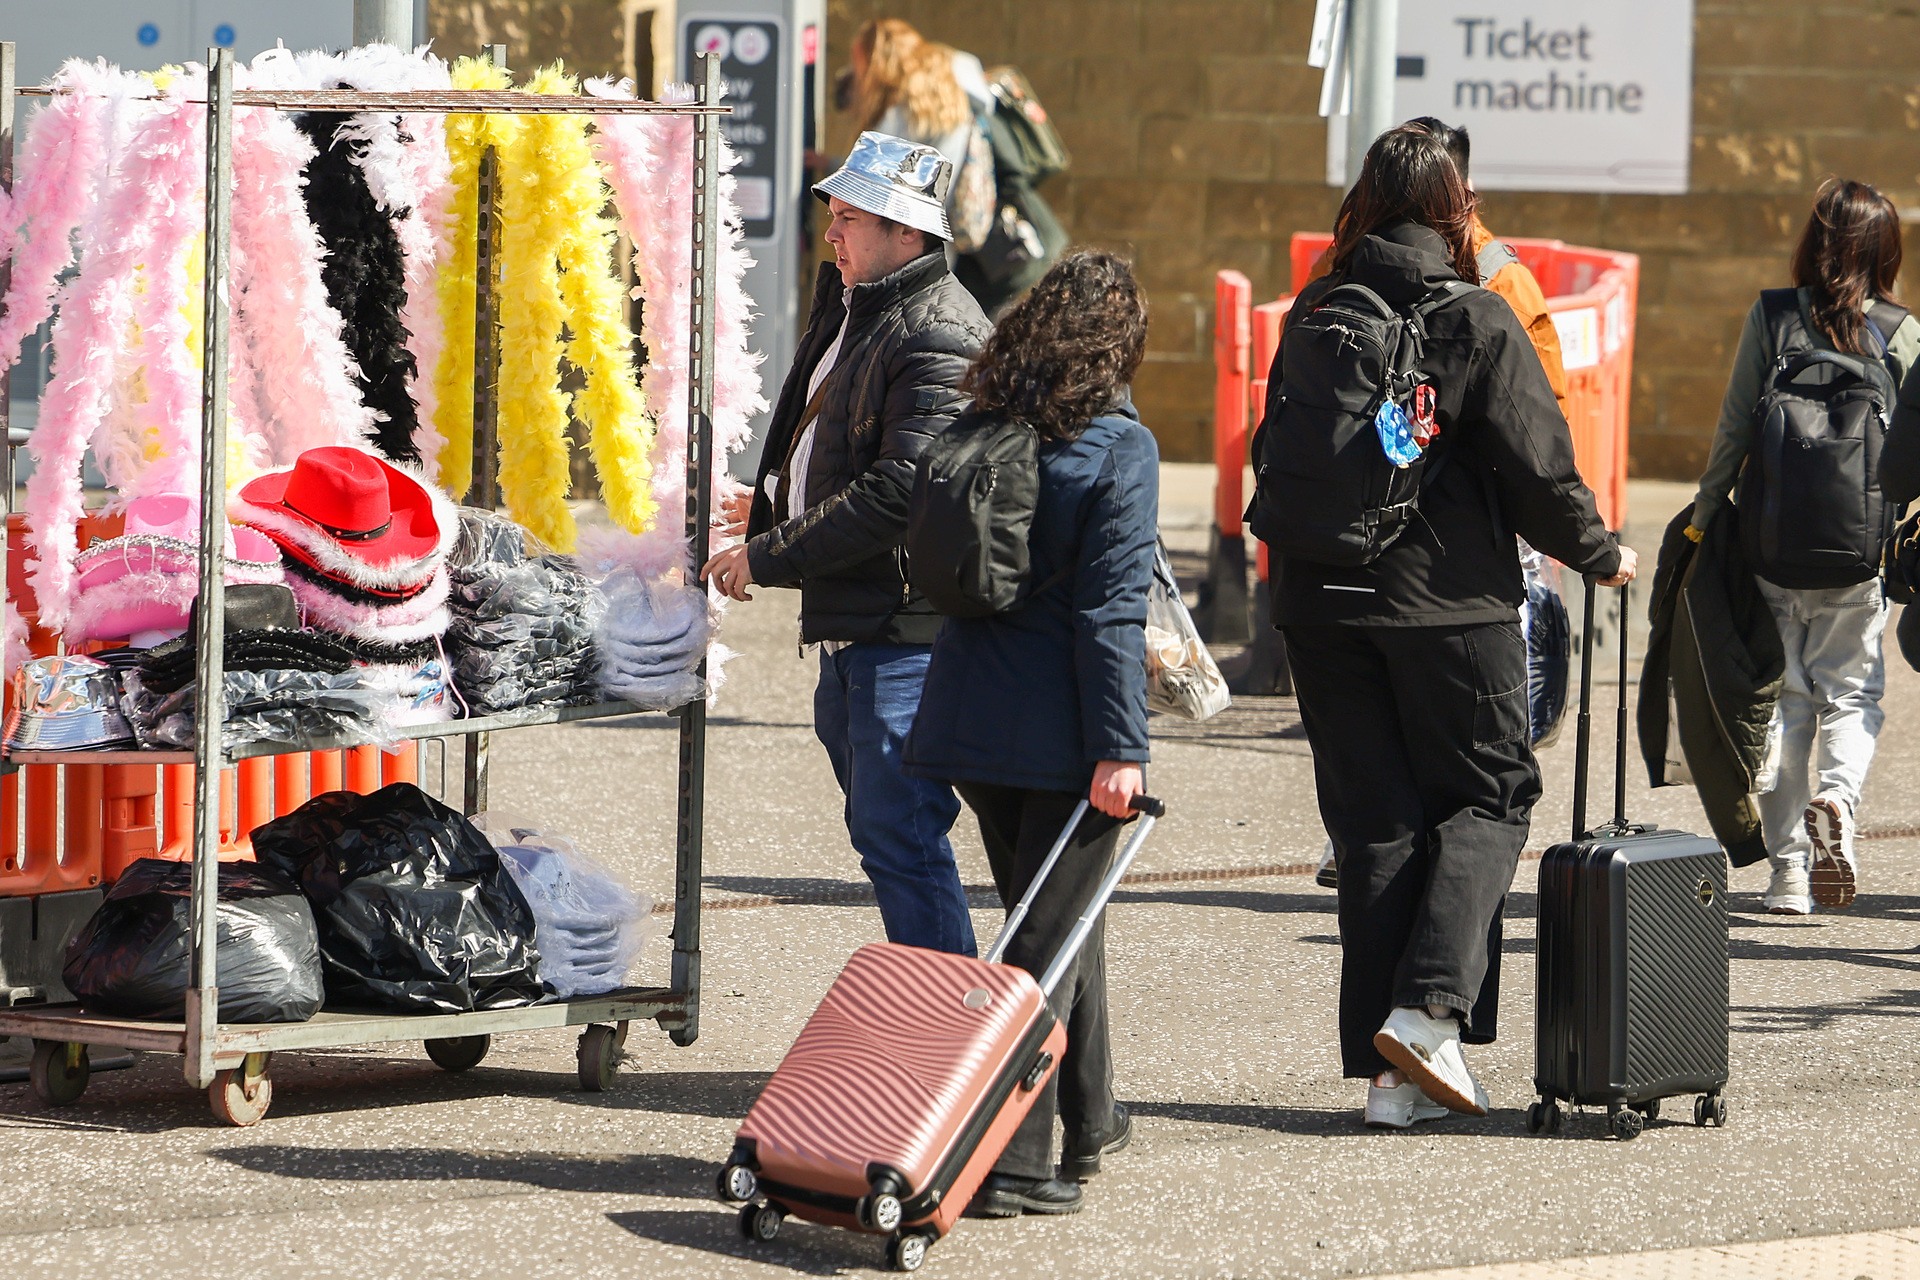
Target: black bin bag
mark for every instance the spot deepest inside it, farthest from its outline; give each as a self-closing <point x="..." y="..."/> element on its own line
<point x="415" y="911"/>
<point x="131" y="958"/>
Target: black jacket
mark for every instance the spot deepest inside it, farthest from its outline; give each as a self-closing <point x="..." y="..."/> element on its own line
<point x="1508" y="468"/>
<point x="1716" y="647"/>
<point x="1036" y="696"/>
<point x="910" y="338"/>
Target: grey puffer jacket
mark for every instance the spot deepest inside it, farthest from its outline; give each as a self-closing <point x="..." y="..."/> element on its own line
<point x="896" y="383"/>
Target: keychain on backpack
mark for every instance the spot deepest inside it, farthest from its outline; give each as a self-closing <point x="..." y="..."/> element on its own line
<point x="1425" y="428"/>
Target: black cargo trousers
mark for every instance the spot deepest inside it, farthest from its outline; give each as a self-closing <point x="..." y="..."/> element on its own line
<point x="1426" y="783"/>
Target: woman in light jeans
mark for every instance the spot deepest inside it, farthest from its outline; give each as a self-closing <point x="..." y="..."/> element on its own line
<point x="1829" y="714"/>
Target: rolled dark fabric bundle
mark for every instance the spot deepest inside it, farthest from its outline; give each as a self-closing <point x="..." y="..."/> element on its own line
<point x="365" y="276"/>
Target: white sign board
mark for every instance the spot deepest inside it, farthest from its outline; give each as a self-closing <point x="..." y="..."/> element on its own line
<point x="1559" y="95"/>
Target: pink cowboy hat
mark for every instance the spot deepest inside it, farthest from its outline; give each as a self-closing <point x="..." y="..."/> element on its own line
<point x="145" y="580"/>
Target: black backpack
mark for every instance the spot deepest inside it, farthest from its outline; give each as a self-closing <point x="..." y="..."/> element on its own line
<point x="974" y="493"/>
<point x="1811" y="511"/>
<point x="1325" y="490"/>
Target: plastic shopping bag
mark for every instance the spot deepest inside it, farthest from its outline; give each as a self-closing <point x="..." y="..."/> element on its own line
<point x="1549" y="635"/>
<point x="1182" y="679"/>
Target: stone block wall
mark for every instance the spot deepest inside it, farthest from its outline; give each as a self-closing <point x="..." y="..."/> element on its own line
<point x="1196" y="147"/>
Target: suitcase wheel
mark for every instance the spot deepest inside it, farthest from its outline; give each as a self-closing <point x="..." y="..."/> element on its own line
<point x="738" y="1184"/>
<point x="1544" y="1116"/>
<point x="761" y="1222"/>
<point x="878" y="1212"/>
<point x="906" y="1250"/>
<point x="1625" y="1122"/>
<point x="1710" y="1109"/>
<point x="1651" y="1110"/>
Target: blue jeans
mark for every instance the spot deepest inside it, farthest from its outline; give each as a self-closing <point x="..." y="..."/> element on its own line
<point x="862" y="711"/>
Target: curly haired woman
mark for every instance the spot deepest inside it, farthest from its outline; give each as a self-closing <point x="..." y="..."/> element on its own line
<point x="1029" y="711"/>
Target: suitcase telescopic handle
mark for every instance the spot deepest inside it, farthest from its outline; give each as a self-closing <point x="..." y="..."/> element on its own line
<point x="1150" y="810"/>
<point x="1583" y="739"/>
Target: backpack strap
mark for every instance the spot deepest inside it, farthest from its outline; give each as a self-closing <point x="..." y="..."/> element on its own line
<point x="1786" y="326"/>
<point x="1884" y="319"/>
<point x="1442" y="295"/>
<point x="1495" y="257"/>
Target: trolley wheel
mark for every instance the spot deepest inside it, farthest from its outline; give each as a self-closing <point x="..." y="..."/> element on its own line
<point x="907" y="1250"/>
<point x="241" y="1095"/>
<point x="620" y="1030"/>
<point x="599" y="1051"/>
<point x="1651" y="1110"/>
<point x="738" y="1184"/>
<point x="59" y="1072"/>
<point x="1537" y="1117"/>
<point x="1625" y="1122"/>
<point x="761" y="1222"/>
<point x="1555" y="1115"/>
<point x="1710" y="1109"/>
<point x="458" y="1053"/>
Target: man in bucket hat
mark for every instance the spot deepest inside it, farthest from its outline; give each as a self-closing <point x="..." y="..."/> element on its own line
<point x="878" y="373"/>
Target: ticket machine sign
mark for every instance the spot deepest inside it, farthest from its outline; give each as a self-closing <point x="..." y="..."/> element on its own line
<point x="749" y="53"/>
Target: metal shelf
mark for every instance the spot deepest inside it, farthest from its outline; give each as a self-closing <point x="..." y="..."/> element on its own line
<point x="338" y="1028"/>
<point x="438" y="729"/>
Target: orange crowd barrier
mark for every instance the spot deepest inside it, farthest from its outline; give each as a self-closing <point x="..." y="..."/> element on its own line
<point x="1234" y="368"/>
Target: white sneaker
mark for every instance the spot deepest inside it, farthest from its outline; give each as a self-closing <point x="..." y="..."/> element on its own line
<point x="1788" y="893"/>
<point x="1830" y="827"/>
<point x="1400" y="1107"/>
<point x="1428" y="1050"/>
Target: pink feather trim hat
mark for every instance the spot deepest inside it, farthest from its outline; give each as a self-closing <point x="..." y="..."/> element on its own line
<point x="145" y="580"/>
<point x="350" y="516"/>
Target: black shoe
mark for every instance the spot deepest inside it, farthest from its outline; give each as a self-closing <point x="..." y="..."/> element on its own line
<point x="1001" y="1196"/>
<point x="1079" y="1165"/>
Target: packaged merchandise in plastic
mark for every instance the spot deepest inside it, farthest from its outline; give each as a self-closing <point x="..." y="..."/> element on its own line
<point x="523" y="621"/>
<point x="589" y="926"/>
<point x="1549" y="634"/>
<point x="415" y="909"/>
<point x="302" y="710"/>
<point x="654" y="630"/>
<point x="1182" y="678"/>
<point x="132" y="958"/>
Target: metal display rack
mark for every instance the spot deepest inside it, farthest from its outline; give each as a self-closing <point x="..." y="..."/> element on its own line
<point x="233" y="1061"/>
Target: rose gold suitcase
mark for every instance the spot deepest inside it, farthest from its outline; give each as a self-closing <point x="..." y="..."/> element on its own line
<point x="907" y="1083"/>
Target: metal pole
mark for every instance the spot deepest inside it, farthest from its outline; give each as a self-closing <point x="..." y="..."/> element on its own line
<point x="1374" y="49"/>
<point x="210" y="703"/>
<point x="693" y="719"/>
<point x="384" y="22"/>
<point x="7" y="103"/>
<point x="485" y="490"/>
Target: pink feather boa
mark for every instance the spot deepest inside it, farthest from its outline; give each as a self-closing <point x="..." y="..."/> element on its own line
<point x="293" y="379"/>
<point x="162" y="172"/>
<point x="648" y="161"/>
<point x="64" y="163"/>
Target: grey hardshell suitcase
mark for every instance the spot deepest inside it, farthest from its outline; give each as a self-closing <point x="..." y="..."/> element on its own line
<point x="1632" y="997"/>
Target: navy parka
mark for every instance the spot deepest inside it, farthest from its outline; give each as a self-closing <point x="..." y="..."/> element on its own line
<point x="1037" y="696"/>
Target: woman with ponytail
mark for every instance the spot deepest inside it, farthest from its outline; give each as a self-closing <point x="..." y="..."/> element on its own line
<point x="1831" y="620"/>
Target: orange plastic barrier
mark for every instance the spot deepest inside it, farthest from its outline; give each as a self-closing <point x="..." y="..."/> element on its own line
<point x="1593" y="295"/>
<point x="1232" y="340"/>
<point x="1269" y="318"/>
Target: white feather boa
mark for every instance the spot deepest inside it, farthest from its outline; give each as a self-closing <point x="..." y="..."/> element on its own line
<point x="405" y="161"/>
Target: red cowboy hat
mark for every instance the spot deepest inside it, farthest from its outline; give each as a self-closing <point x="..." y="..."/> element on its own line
<point x="352" y="516"/>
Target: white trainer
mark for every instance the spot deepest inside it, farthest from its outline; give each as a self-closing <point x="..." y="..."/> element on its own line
<point x="1400" y="1107"/>
<point x="1788" y="893"/>
<point x="1830" y="827"/>
<point x="1428" y="1050"/>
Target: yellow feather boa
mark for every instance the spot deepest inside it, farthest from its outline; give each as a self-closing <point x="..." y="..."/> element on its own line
<point x="468" y="136"/>
<point x="557" y="269"/>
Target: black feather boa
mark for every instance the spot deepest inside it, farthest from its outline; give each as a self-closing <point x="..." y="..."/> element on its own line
<point x="365" y="276"/>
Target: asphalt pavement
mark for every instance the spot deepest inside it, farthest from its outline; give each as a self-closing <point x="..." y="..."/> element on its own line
<point x="1249" y="1159"/>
